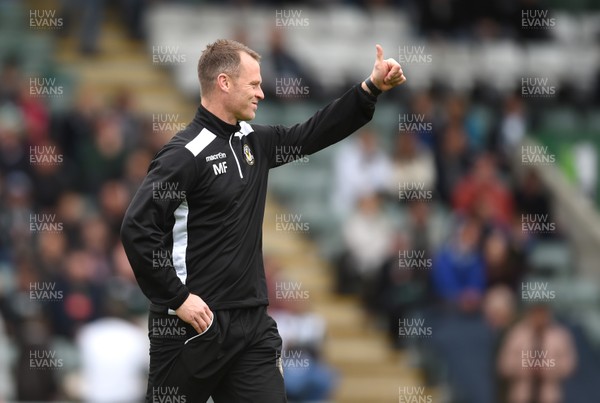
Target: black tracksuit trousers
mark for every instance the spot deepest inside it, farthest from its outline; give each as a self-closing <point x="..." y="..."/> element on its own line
<point x="237" y="359"/>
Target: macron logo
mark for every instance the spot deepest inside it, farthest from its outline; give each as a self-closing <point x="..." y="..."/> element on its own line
<point x="216" y="157"/>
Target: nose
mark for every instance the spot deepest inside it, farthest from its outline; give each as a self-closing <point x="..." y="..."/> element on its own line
<point x="260" y="94"/>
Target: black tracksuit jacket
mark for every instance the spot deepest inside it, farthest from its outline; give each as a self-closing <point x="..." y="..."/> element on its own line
<point x="195" y="223"/>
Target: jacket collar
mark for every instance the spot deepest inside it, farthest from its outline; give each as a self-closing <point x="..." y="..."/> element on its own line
<point x="214" y="124"/>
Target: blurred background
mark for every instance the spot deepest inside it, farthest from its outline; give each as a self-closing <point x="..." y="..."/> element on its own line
<point x="447" y="252"/>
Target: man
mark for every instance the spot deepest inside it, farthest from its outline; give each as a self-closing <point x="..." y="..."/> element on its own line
<point x="537" y="355"/>
<point x="193" y="231"/>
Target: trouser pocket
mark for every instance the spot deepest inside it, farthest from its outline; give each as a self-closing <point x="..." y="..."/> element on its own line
<point x="200" y="352"/>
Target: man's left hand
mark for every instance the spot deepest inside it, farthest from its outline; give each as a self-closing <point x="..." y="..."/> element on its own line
<point x="387" y="73"/>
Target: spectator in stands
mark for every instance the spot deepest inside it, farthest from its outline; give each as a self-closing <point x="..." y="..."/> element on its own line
<point x="124" y="109"/>
<point x="87" y="17"/>
<point x="452" y="159"/>
<point x="437" y="19"/>
<point x="70" y="212"/>
<point x="279" y="64"/>
<point x="402" y="286"/>
<point x="10" y="80"/>
<point x="114" y="356"/>
<point x="360" y="167"/>
<point x="36" y="381"/>
<point x="81" y="296"/>
<point x="422" y="106"/>
<point x="51" y="248"/>
<point x="504" y="265"/>
<point x="458" y="272"/>
<point x="123" y="281"/>
<point x="412" y="165"/>
<point x="50" y="178"/>
<point x="536" y="357"/>
<point x="457" y="112"/>
<point x="511" y="128"/>
<point x="6" y="379"/>
<point x="499" y="307"/>
<point x="483" y="193"/>
<point x="103" y="157"/>
<point x="113" y="198"/>
<point x="135" y="169"/>
<point x="307" y="376"/>
<point x="532" y="198"/>
<point x="500" y="313"/>
<point x="18" y="208"/>
<point x="424" y="234"/>
<point x="367" y="241"/>
<point x="36" y="116"/>
<point x="13" y="151"/>
<point x="76" y="127"/>
<point x="96" y="241"/>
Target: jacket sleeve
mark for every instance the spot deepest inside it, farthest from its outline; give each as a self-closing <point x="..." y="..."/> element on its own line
<point x="147" y="229"/>
<point x="327" y="126"/>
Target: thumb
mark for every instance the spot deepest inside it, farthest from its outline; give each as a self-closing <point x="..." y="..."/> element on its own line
<point x="379" y="57"/>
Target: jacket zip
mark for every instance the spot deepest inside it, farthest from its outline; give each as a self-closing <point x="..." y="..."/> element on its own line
<point x="235" y="156"/>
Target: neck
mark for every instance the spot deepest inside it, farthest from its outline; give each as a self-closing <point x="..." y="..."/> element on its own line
<point x="217" y="109"/>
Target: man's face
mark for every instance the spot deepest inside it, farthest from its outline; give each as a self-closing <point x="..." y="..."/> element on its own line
<point x="246" y="91"/>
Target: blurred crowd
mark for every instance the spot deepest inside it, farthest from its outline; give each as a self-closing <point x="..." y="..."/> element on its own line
<point x="66" y="179"/>
<point x="434" y="235"/>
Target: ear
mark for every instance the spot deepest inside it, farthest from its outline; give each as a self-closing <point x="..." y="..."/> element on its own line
<point x="224" y="82"/>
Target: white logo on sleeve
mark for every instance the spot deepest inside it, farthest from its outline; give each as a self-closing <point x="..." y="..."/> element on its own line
<point x="220" y="168"/>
